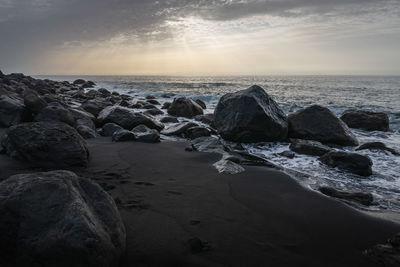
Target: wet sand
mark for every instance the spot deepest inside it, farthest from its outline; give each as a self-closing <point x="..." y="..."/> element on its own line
<point x="261" y="217"/>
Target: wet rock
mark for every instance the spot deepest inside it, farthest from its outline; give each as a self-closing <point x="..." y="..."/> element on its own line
<point x="124" y="103"/>
<point x="208" y="144"/>
<point x="288" y="154"/>
<point x="104" y="92"/>
<point x="184" y="107"/>
<point x="55" y="113"/>
<point x="79" y="82"/>
<point x="377" y="146"/>
<point x="123" y="135"/>
<point x="149" y="106"/>
<point x="308" y="147"/>
<point x="206" y="118"/>
<point x="169" y="120"/>
<point x="250" y="116"/>
<point x="201" y="103"/>
<point x="228" y="167"/>
<point x="94" y="106"/>
<point x="33" y="102"/>
<point x="388" y="254"/>
<point x="352" y="162"/>
<point x="127" y="118"/>
<point x="178" y="129"/>
<point x="145" y="134"/>
<point x="110" y="128"/>
<point x="154" y="112"/>
<point x="166" y="105"/>
<point x="86" y="132"/>
<point x="320" y="124"/>
<point x="153" y="102"/>
<point x="58" y="219"/>
<point x="366" y="120"/>
<point x="149" y="97"/>
<point x="47" y="144"/>
<point x="12" y="111"/>
<point x="196" y="132"/>
<point x="359" y="197"/>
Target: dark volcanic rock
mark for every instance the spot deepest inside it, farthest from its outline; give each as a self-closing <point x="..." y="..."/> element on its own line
<point x="12" y="111"/>
<point x="250" y="116"/>
<point x="308" y="147"/>
<point x="388" y="254"/>
<point x="201" y="103"/>
<point x="56" y="113"/>
<point x="33" y="102"/>
<point x="79" y="81"/>
<point x="377" y="146"/>
<point x="359" y="197"/>
<point x="154" y="111"/>
<point x="197" y="131"/>
<point x="166" y="105"/>
<point x="110" y="128"/>
<point x="320" y="124"/>
<point x="352" y="162"/>
<point x="178" y="129"/>
<point x="94" y="106"/>
<point x="47" y="144"/>
<point x="366" y="120"/>
<point x="206" y="118"/>
<point x="127" y="118"/>
<point x="169" y="120"/>
<point x="123" y="135"/>
<point x="288" y="154"/>
<point x="58" y="219"/>
<point x="208" y="144"/>
<point x="86" y="132"/>
<point x="145" y="134"/>
<point x="153" y="102"/>
<point x="184" y="107"/>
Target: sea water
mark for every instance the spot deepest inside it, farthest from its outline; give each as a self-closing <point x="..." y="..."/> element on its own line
<point x="338" y="93"/>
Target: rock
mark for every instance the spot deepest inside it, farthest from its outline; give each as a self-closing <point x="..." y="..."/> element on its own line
<point x="79" y="82"/>
<point x="86" y="132"/>
<point x="366" y="120"/>
<point x="127" y="118"/>
<point x="208" y="144"/>
<point x="250" y="116"/>
<point x="287" y="154"/>
<point x="197" y="131"/>
<point x="153" y="102"/>
<point x="145" y="134"/>
<point x="94" y="106"/>
<point x="58" y="219"/>
<point x="124" y="103"/>
<point x="320" y="124"/>
<point x="123" y="135"/>
<point x="352" y="162"/>
<point x="153" y="112"/>
<point x="388" y="254"/>
<point x="104" y="92"/>
<point x="47" y="144"/>
<point x="166" y="105"/>
<point x="82" y="117"/>
<point x="206" y="118"/>
<point x="377" y="146"/>
<point x="168" y="95"/>
<point x="12" y="111"/>
<point x="201" y="103"/>
<point x="184" y="107"/>
<point x="359" y="197"/>
<point x="110" y="128"/>
<point x="149" y="106"/>
<point x="55" y="113"/>
<point x="88" y="84"/>
<point x="308" y="147"/>
<point x="228" y="167"/>
<point x="169" y="120"/>
<point x="149" y="97"/>
<point x="33" y="102"/>
<point x="178" y="129"/>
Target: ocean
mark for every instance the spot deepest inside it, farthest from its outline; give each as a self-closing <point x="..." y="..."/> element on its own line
<point x="338" y="93"/>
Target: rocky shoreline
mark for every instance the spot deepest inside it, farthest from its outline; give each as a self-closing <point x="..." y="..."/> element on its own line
<point x="48" y="122"/>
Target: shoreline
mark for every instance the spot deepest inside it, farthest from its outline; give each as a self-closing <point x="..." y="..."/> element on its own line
<point x="168" y="196"/>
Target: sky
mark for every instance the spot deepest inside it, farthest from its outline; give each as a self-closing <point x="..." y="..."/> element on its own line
<point x="199" y="37"/>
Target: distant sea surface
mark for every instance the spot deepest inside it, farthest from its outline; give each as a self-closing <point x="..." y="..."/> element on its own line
<point x="373" y="93"/>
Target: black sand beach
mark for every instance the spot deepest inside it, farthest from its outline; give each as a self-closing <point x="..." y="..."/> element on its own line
<point x="261" y="217"/>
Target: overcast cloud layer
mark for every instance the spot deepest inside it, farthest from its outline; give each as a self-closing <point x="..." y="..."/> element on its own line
<point x="33" y="32"/>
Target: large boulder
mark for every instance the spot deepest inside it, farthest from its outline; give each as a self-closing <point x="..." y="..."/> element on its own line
<point x="184" y="107"/>
<point x="309" y="147"/>
<point x="250" y="116"/>
<point x="58" y="219"/>
<point x="347" y="161"/>
<point x="366" y="120"/>
<point x="12" y="111"/>
<point x="33" y="102"/>
<point x="127" y="118"/>
<point x="320" y="124"/>
<point x="47" y="144"/>
<point x="56" y="112"/>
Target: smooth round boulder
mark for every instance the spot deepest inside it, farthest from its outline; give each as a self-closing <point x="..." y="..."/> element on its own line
<point x="347" y="161"/>
<point x="366" y="120"/>
<point x="47" y="144"/>
<point x="320" y="124"/>
<point x="56" y="113"/>
<point x="184" y="107"/>
<point x="250" y="116"/>
<point x="58" y="219"/>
